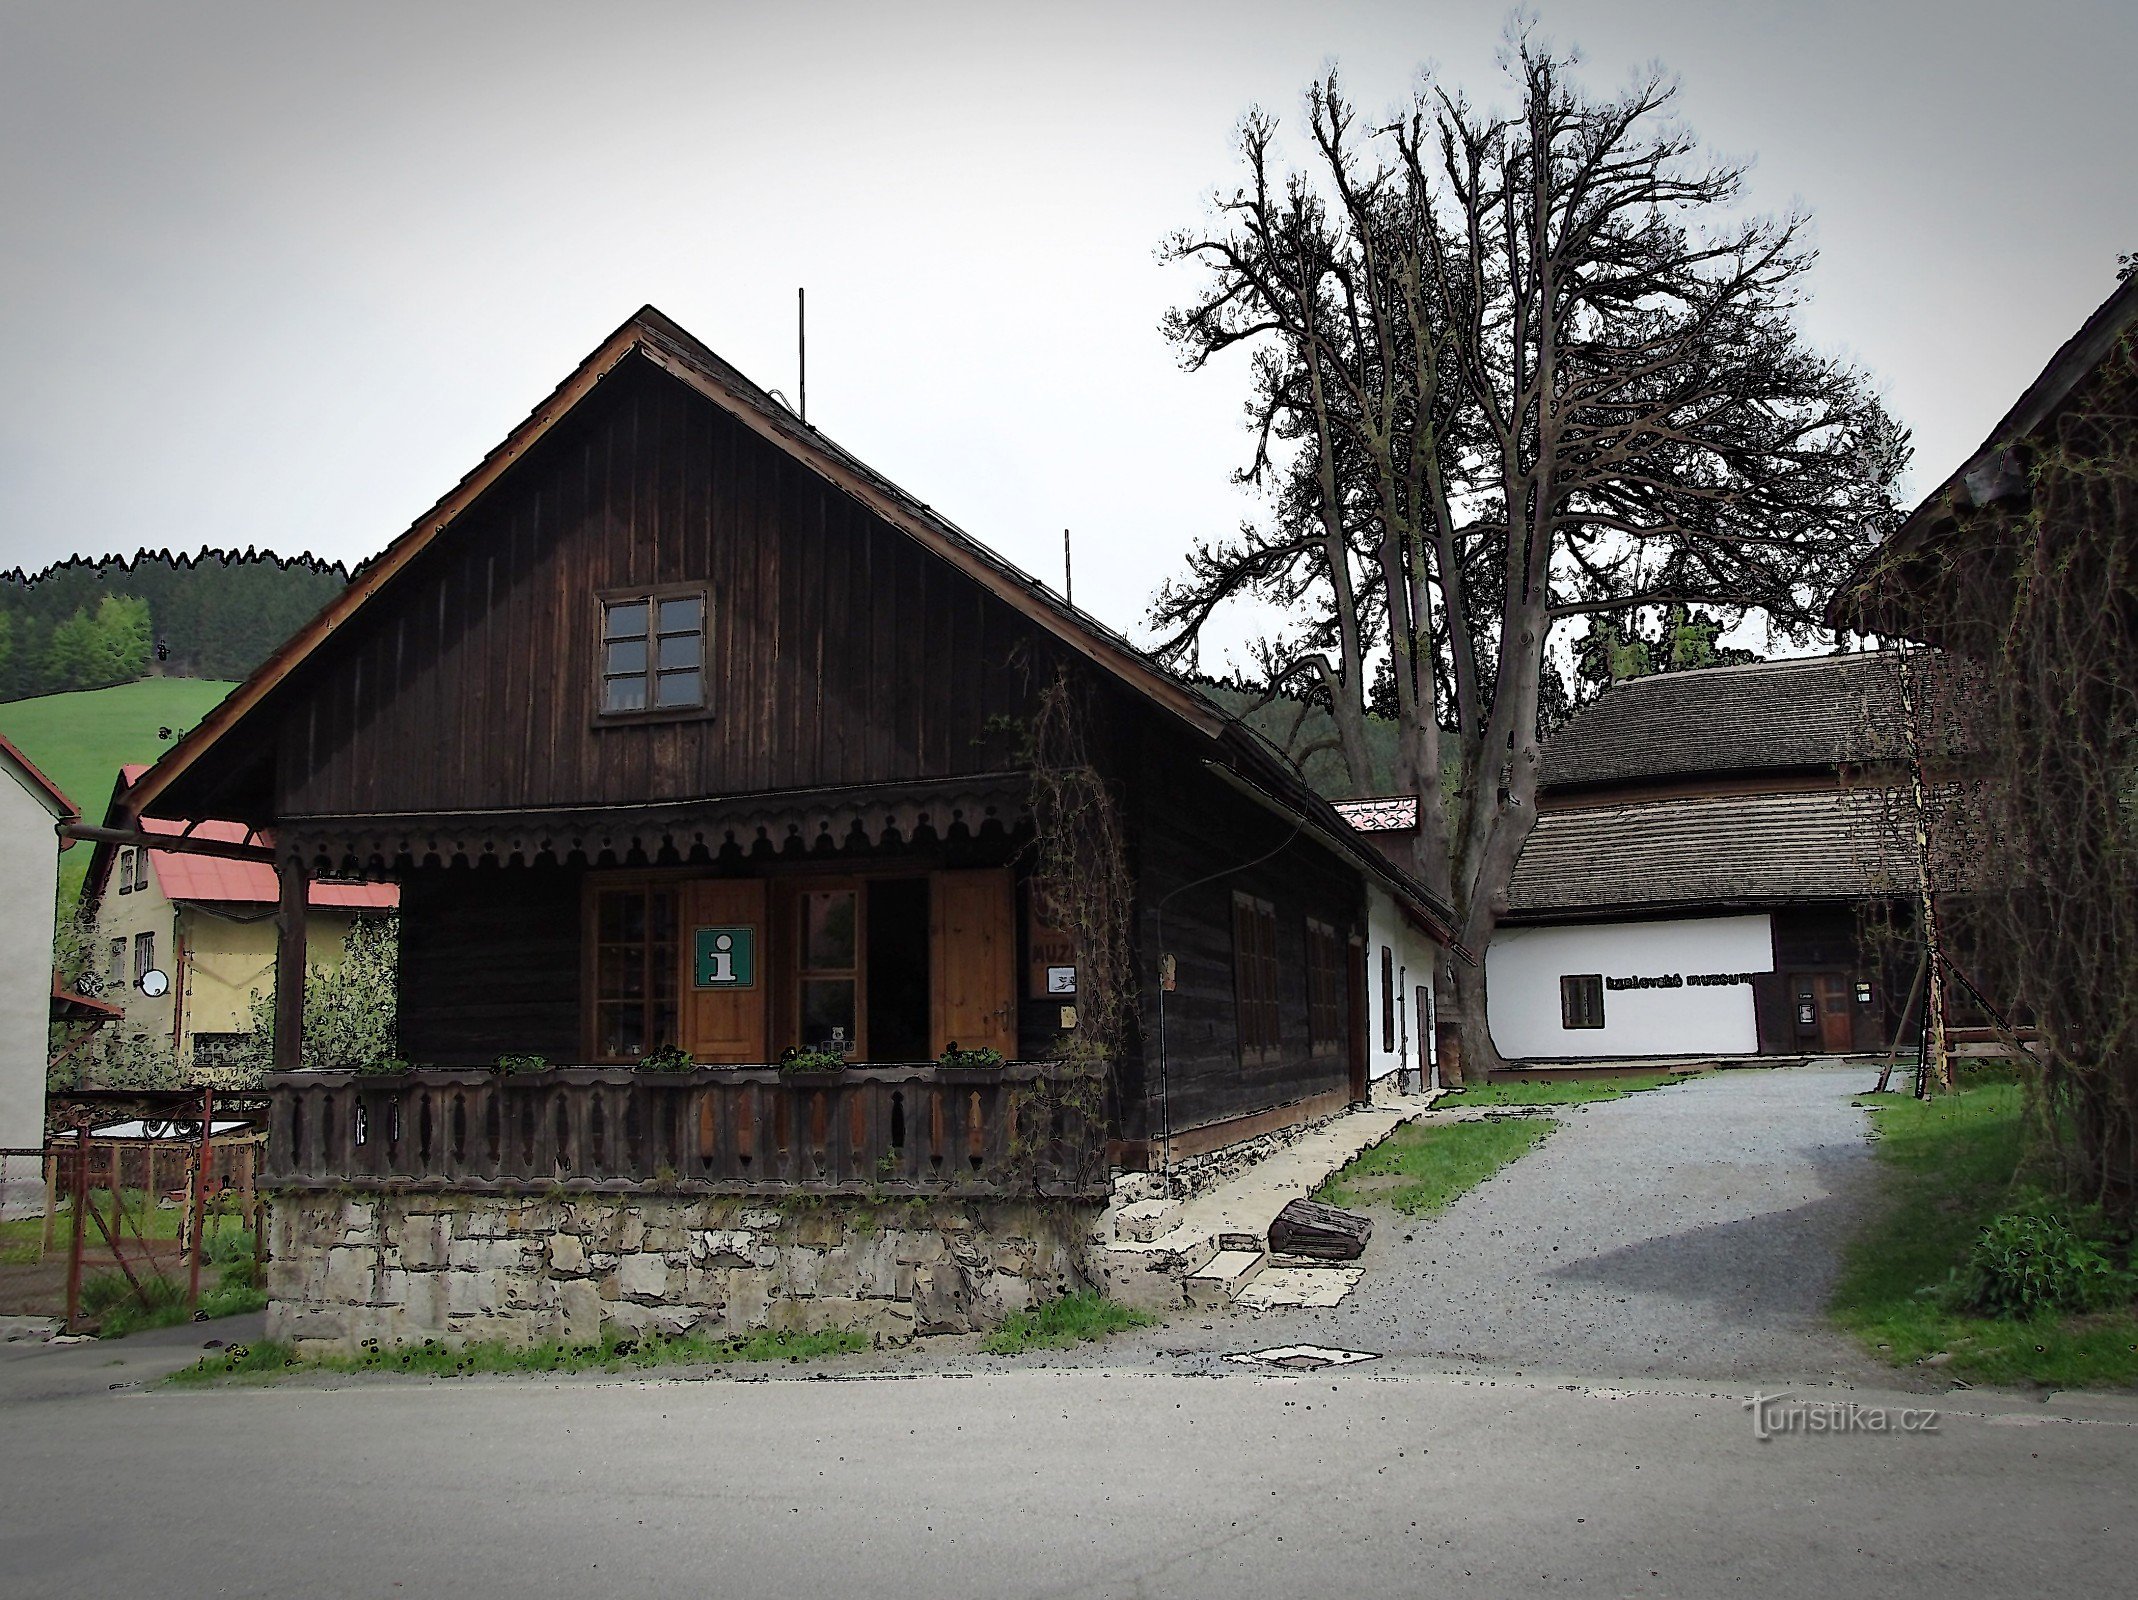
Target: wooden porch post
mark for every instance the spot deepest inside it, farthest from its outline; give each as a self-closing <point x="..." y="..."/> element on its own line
<point x="289" y="966"/>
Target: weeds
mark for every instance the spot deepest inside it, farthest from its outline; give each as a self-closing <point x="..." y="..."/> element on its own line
<point x="1062" y="1323"/>
<point x="614" y="1352"/>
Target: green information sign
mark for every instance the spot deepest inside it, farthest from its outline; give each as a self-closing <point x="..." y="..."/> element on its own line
<point x="725" y="958"/>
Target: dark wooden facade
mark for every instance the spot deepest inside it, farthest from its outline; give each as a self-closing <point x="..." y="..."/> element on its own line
<point x="866" y="695"/>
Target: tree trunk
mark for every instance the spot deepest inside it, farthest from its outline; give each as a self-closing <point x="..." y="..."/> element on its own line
<point x="1474" y="1057"/>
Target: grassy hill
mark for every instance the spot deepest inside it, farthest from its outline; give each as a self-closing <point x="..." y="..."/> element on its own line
<point x="81" y="740"/>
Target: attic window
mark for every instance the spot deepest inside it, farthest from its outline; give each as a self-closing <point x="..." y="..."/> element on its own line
<point x="652" y="653"/>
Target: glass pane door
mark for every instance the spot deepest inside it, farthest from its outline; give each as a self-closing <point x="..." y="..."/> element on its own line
<point x="831" y="970"/>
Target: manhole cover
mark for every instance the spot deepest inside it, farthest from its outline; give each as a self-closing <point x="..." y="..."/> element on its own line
<point x="1303" y="1357"/>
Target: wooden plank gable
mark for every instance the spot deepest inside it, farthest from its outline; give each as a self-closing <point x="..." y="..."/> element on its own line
<point x="839" y="651"/>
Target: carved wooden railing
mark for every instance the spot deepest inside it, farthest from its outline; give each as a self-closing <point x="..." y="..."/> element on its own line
<point x="1016" y="1131"/>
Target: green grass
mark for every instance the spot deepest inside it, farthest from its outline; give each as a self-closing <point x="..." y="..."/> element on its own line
<point x="119" y="1310"/>
<point x="81" y="740"/>
<point x="1420" y="1168"/>
<point x="1058" y="1324"/>
<point x="1948" y="1167"/>
<point x="1570" y="1092"/>
<point x="616" y="1352"/>
<point x="160" y="1222"/>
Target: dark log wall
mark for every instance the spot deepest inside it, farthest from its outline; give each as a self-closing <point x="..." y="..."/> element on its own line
<point x="1828" y="938"/>
<point x="490" y="962"/>
<point x="840" y="651"/>
<point x="1187" y="825"/>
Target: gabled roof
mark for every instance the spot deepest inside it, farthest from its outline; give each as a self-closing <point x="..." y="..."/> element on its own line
<point x="43" y="788"/>
<point x="214" y="880"/>
<point x="1865" y="600"/>
<point x="652" y="337"/>
<point x="1767" y="716"/>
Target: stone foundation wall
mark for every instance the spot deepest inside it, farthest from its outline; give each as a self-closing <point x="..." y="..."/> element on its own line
<point x="460" y="1268"/>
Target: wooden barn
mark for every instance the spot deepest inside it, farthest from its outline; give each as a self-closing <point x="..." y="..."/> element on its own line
<point x="681" y="730"/>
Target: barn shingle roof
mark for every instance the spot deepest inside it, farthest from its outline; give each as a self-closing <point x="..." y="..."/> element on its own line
<point x="1745" y="849"/>
<point x="1765" y="717"/>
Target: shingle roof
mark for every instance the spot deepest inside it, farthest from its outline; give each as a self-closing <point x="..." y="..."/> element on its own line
<point x="1748" y="849"/>
<point x="1768" y="716"/>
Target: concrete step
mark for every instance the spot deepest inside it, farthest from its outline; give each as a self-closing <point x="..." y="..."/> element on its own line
<point x="1219" y="1281"/>
<point x="1145" y="1220"/>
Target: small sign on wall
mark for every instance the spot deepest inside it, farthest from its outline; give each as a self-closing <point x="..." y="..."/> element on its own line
<point x="1061" y="980"/>
<point x="724" y="958"/>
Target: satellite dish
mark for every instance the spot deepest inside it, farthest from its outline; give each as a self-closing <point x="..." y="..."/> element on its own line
<point x="154" y="983"/>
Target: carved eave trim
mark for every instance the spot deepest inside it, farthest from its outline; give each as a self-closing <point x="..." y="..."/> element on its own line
<point x="761" y="827"/>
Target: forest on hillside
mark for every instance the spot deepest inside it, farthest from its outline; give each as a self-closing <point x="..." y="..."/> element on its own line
<point x="85" y="624"/>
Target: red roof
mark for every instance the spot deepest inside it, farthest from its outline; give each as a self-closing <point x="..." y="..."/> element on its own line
<point x="29" y="770"/>
<point x="226" y="882"/>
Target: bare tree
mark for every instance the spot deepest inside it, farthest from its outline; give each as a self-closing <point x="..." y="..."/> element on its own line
<point x="1509" y="371"/>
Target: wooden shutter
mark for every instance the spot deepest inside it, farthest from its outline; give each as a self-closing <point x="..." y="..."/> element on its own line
<point x="725" y="1026"/>
<point x="973" y="961"/>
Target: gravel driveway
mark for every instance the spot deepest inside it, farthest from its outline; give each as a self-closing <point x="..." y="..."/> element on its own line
<point x="1692" y="1230"/>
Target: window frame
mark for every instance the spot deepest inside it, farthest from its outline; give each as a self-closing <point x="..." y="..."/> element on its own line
<point x="126" y="870"/>
<point x="144" y="955"/>
<point x="1326" y="991"/>
<point x="645" y="884"/>
<point x="802" y="973"/>
<point x="1258" y="1019"/>
<point x="1388" y="1000"/>
<point x="1575" y="988"/>
<point x="651" y="596"/>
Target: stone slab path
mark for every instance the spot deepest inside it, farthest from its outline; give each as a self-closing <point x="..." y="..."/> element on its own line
<point x="1693" y="1230"/>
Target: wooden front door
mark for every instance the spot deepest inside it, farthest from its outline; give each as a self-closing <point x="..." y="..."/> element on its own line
<point x="724" y="1007"/>
<point x="1837" y="1032"/>
<point x="1824" y="1021"/>
<point x="974" y="968"/>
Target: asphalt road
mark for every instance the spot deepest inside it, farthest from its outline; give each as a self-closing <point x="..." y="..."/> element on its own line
<point x="1372" y="1480"/>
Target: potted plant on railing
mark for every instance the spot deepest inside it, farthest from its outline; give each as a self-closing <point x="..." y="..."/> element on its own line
<point x="669" y="1058"/>
<point x="956" y="1062"/>
<point x="810" y="1066"/>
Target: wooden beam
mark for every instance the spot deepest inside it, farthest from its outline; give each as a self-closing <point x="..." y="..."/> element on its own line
<point x="185" y="844"/>
<point x="290" y="966"/>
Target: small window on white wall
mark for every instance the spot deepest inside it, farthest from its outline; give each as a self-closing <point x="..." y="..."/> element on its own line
<point x="1581" y="1000"/>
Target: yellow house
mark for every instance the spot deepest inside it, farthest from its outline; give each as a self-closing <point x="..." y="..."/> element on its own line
<point x="186" y="941"/>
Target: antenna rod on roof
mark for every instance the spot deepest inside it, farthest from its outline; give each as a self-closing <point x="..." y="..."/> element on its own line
<point x="801" y="350"/>
<point x="1068" y="576"/>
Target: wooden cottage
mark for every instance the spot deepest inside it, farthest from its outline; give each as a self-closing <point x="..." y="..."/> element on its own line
<point x="691" y="742"/>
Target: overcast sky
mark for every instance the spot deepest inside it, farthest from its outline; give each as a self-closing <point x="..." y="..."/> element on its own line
<point x="279" y="274"/>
